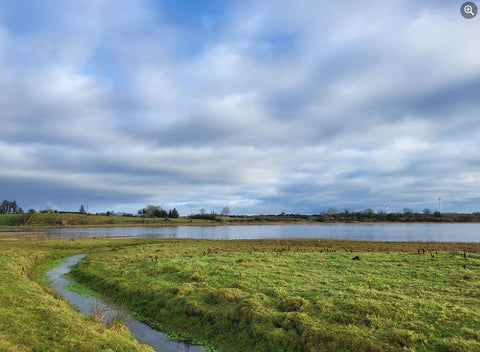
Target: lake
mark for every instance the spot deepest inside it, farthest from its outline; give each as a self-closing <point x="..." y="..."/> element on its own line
<point x="458" y="232"/>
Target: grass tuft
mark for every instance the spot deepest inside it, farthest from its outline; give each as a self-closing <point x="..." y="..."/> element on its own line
<point x="292" y="304"/>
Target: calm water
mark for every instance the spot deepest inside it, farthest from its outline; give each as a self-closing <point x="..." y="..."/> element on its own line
<point x="142" y="332"/>
<point x="380" y="232"/>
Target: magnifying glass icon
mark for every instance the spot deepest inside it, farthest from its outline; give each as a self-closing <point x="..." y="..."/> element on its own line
<point x="469" y="10"/>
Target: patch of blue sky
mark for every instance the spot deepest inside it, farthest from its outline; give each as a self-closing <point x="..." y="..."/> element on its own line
<point x="276" y="46"/>
<point x="198" y="15"/>
<point x="101" y="64"/>
<point x="23" y="17"/>
<point x="201" y="21"/>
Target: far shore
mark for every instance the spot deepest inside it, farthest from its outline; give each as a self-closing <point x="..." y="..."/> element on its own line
<point x="218" y="224"/>
<point x="51" y="220"/>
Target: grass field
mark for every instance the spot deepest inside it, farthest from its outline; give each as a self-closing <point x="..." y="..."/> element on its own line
<point x="258" y="295"/>
<point x="302" y="295"/>
<point x="7" y="220"/>
<point x="33" y="317"/>
<point x="73" y="219"/>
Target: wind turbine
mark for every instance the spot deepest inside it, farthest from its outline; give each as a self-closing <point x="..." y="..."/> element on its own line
<point x="440" y="204"/>
<point x="389" y="207"/>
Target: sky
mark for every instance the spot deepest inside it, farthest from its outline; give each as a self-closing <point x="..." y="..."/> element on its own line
<point x="262" y="106"/>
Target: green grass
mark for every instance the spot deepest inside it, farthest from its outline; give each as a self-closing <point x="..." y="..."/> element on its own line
<point x="33" y="317"/>
<point x="258" y="295"/>
<point x="72" y="219"/>
<point x="300" y="295"/>
<point x="80" y="220"/>
<point x="7" y="220"/>
<point x="44" y="279"/>
<point x="81" y="289"/>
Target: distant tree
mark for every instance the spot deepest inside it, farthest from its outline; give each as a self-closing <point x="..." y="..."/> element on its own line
<point x="26" y="216"/>
<point x="408" y="214"/>
<point x="173" y="213"/>
<point x="427" y="211"/>
<point x="13" y="207"/>
<point x="153" y="211"/>
<point x="381" y="215"/>
<point x="5" y="207"/>
<point x="203" y="215"/>
<point x="10" y="207"/>
<point x="369" y="211"/>
<point x="322" y="217"/>
<point x="159" y="213"/>
<point x="150" y="211"/>
<point x="226" y="211"/>
<point x="332" y="211"/>
<point x="82" y="209"/>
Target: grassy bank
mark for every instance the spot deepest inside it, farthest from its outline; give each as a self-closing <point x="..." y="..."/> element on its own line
<point x="7" y="220"/>
<point x="33" y="317"/>
<point x="58" y="219"/>
<point x="300" y="295"/>
<point x="79" y="220"/>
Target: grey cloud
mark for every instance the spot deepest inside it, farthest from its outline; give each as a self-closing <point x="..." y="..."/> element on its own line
<point x="289" y="107"/>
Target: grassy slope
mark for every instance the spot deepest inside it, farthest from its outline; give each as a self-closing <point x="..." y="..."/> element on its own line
<point x="70" y="219"/>
<point x="6" y="219"/>
<point x="34" y="318"/>
<point x="301" y="295"/>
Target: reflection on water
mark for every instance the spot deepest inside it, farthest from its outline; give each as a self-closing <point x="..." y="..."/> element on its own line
<point x="143" y="333"/>
<point x="377" y="232"/>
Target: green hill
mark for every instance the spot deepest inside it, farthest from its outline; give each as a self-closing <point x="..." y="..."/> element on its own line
<point x="7" y="220"/>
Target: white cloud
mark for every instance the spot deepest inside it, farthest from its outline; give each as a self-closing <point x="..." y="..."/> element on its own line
<point x="286" y="105"/>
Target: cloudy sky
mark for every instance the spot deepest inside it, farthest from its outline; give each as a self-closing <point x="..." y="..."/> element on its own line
<point x="262" y="106"/>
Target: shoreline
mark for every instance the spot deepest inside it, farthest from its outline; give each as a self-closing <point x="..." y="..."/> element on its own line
<point x="225" y="224"/>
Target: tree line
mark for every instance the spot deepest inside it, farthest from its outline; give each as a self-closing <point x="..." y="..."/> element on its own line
<point x="333" y="215"/>
<point x="10" y="207"/>
<point x="154" y="211"/>
<point x="330" y="215"/>
<point x="407" y="215"/>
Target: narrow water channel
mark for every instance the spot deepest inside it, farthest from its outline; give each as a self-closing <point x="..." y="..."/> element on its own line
<point x="142" y="332"/>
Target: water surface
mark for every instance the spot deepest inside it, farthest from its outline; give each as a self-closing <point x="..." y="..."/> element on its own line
<point x="458" y="232"/>
<point x="143" y="333"/>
